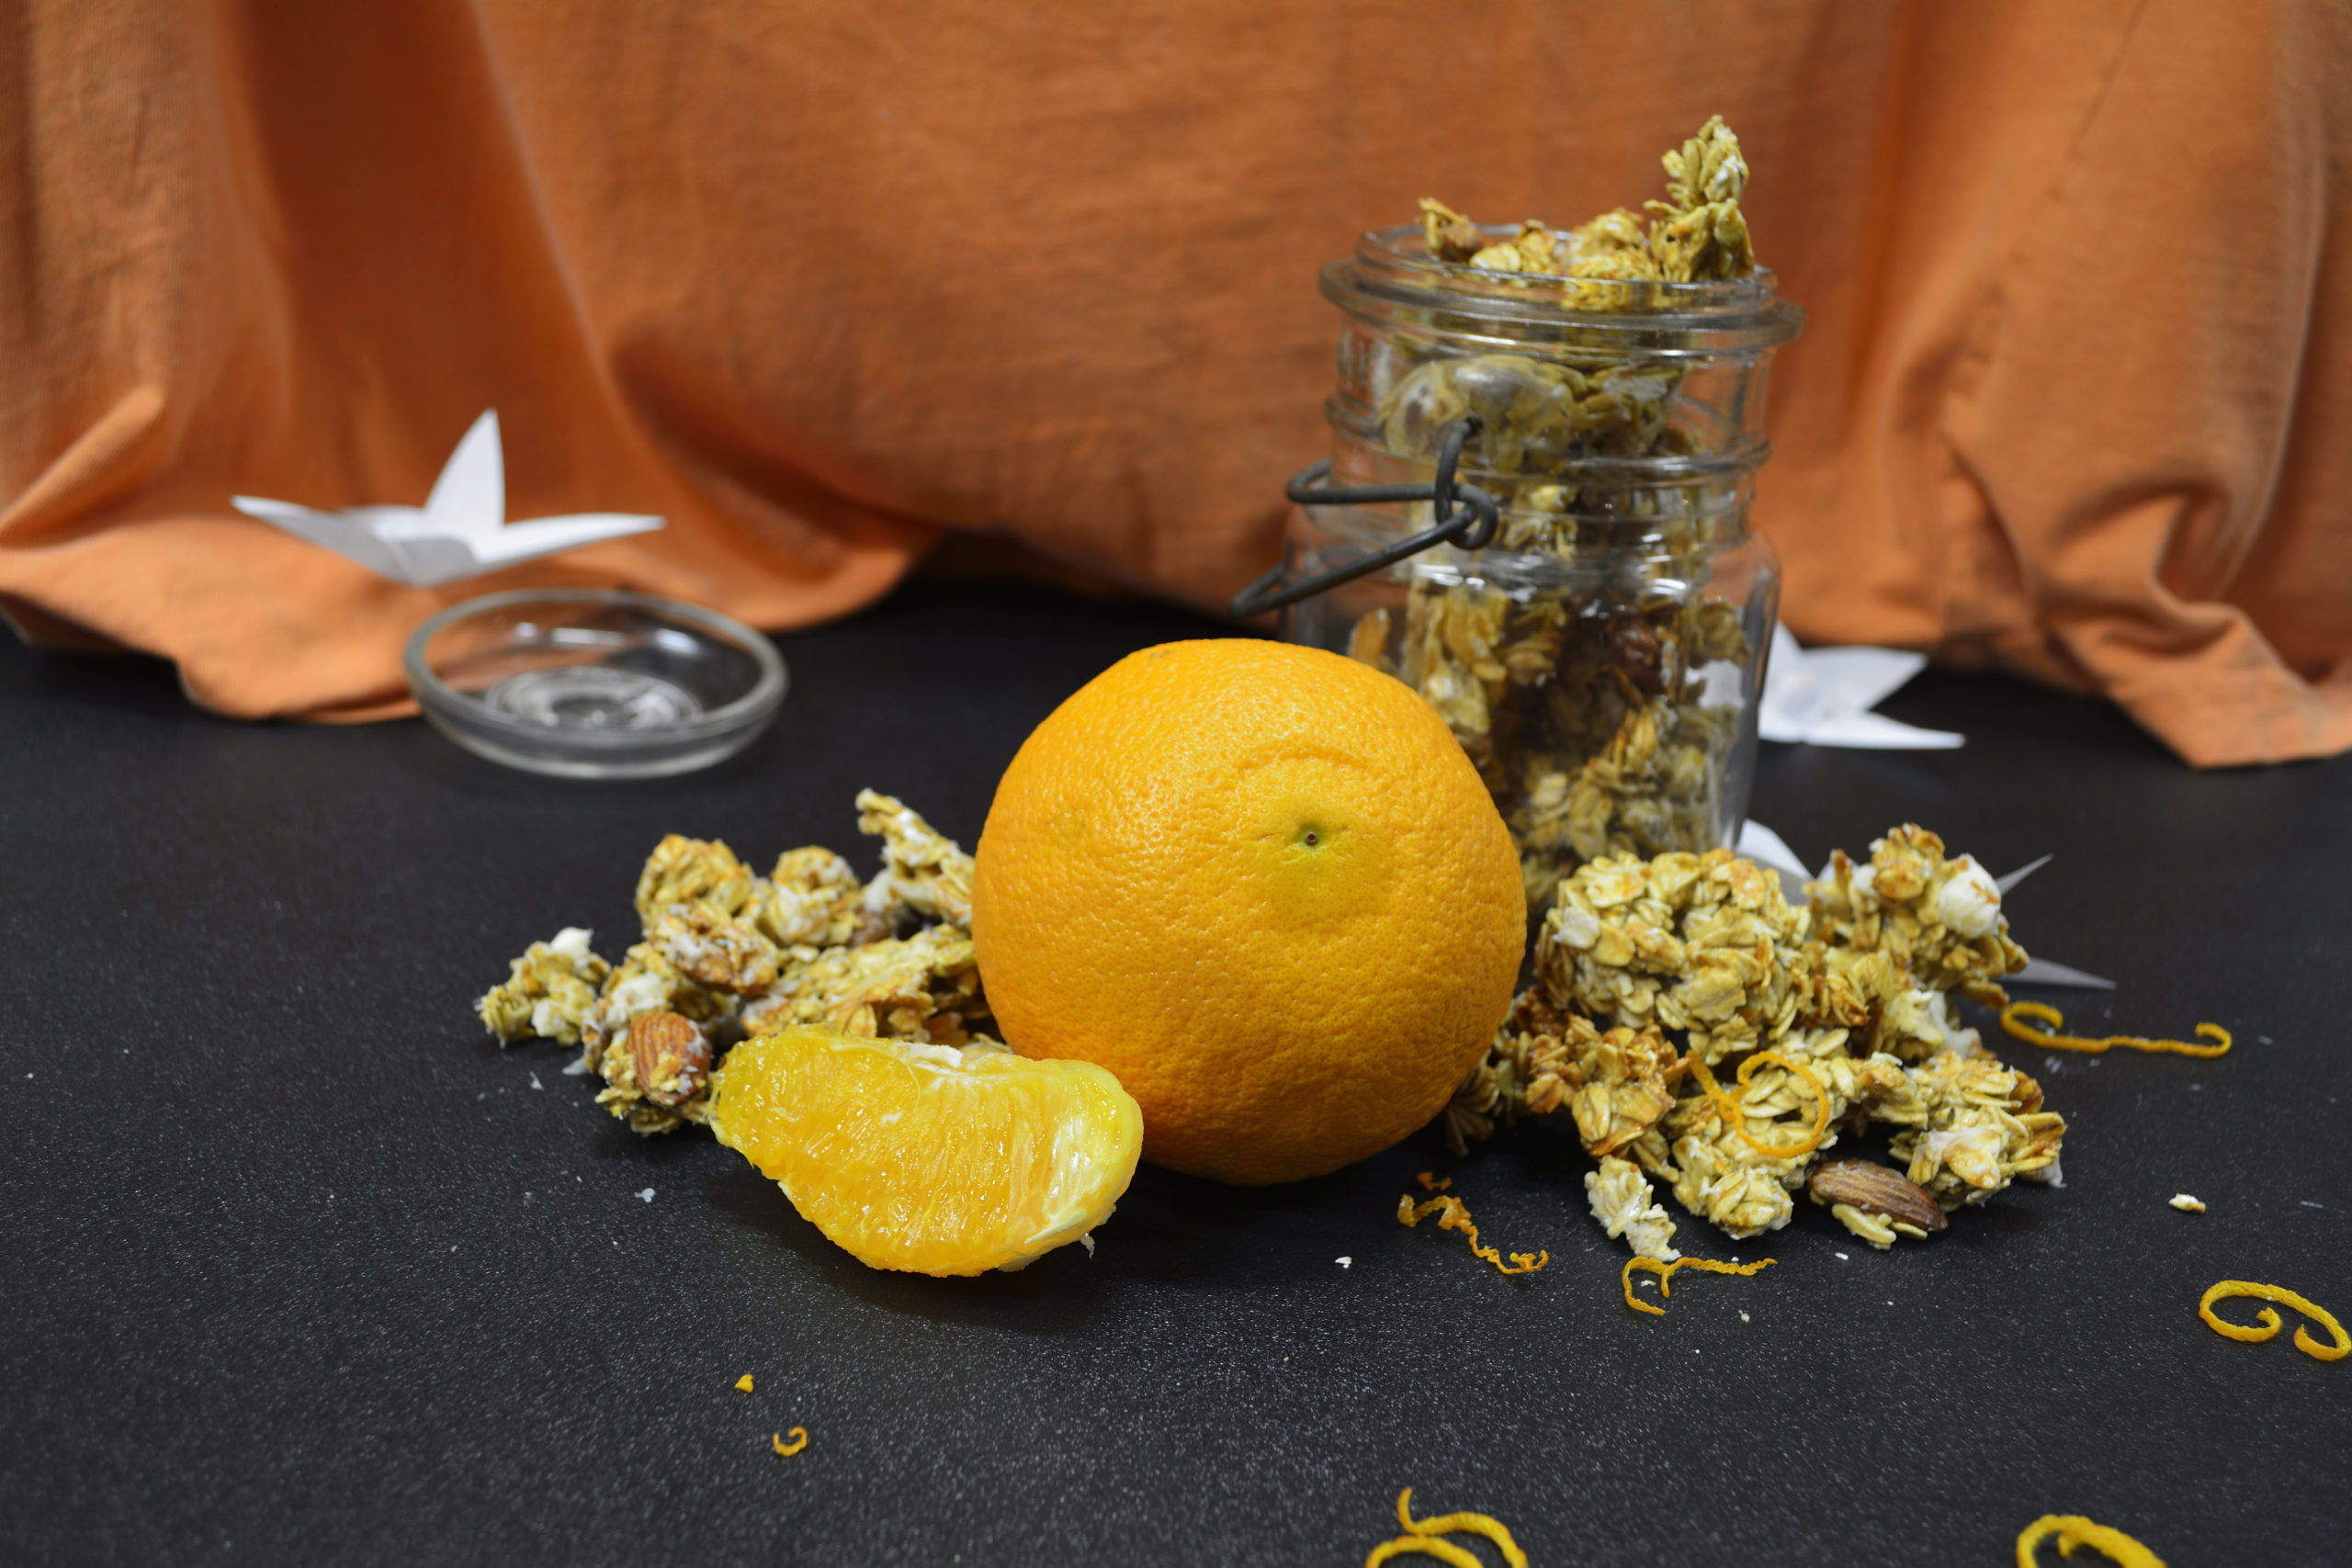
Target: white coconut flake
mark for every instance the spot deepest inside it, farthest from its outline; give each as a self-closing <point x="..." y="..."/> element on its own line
<point x="1970" y="903"/>
<point x="1344" y="1262"/>
<point x="2187" y="1204"/>
<point x="647" y="1195"/>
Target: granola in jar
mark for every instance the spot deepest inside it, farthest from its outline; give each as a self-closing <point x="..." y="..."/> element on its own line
<point x="1601" y="657"/>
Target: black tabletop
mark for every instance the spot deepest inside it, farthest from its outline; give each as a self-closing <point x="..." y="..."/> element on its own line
<point x="301" y="1267"/>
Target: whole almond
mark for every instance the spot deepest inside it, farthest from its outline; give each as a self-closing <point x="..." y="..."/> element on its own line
<point x="1875" y="1189"/>
<point x="669" y="1051"/>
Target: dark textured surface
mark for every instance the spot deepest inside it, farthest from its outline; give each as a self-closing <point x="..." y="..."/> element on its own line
<point x="299" y="1266"/>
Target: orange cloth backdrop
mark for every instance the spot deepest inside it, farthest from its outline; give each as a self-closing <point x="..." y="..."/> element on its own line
<point x="818" y="281"/>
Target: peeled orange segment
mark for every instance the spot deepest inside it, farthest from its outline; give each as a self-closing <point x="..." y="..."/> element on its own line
<point x="925" y="1157"/>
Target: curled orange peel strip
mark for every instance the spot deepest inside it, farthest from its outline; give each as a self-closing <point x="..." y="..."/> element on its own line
<point x="2269" y="1319"/>
<point x="2042" y="1012"/>
<point x="1486" y="1525"/>
<point x="800" y="1441"/>
<point x="2074" y="1531"/>
<point x="1427" y="1546"/>
<point x="1727" y="1105"/>
<point x="1456" y="1217"/>
<point x="1665" y="1273"/>
<point x="1421" y="1536"/>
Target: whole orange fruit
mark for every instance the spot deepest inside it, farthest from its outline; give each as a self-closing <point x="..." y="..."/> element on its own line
<point x="1261" y="883"/>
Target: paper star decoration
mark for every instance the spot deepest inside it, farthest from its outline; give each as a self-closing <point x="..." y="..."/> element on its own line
<point x="1822" y="697"/>
<point x="460" y="531"/>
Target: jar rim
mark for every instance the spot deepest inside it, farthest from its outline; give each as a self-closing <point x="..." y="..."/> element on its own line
<point x="1392" y="268"/>
<point x="1580" y="543"/>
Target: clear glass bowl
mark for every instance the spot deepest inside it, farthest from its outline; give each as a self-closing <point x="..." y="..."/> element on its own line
<point x="593" y="682"/>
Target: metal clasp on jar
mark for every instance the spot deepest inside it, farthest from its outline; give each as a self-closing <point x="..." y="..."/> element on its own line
<point x="1468" y="518"/>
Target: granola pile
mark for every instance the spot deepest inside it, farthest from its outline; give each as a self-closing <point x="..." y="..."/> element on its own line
<point x="727" y="953"/>
<point x="1798" y="1025"/>
<point x="1583" y="695"/>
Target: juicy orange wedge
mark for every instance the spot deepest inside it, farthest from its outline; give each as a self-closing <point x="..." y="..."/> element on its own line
<point x="925" y="1157"/>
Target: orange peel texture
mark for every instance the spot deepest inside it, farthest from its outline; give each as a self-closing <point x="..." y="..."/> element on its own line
<point x="2226" y="1289"/>
<point x="2042" y="1012"/>
<point x="1665" y="1273"/>
<point x="1264" y="886"/>
<point x="2073" y="1530"/>
<point x="1421" y="1536"/>
<point x="1727" y="1105"/>
<point x="1457" y="1218"/>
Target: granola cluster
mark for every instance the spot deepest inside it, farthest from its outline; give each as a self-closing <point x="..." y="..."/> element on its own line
<point x="1586" y="701"/>
<point x="1696" y="235"/>
<point x="1797" y="1025"/>
<point x="727" y="953"/>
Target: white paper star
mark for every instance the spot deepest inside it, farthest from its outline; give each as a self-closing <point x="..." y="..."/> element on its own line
<point x="461" y="531"/>
<point x="1822" y="697"/>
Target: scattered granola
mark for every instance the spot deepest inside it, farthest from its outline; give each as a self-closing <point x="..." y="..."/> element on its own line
<point x="1613" y="1083"/>
<point x="1621" y="1200"/>
<point x="728" y="953"/>
<point x="2269" y="1319"/>
<point x="670" y="1057"/>
<point x="1984" y="1125"/>
<point x="550" y="991"/>
<point x="1701" y="944"/>
<point x="1874" y="1203"/>
<point x="922" y="871"/>
<point x="1420" y="1536"/>
<point x="1456" y="1217"/>
<point x="1801" y="1025"/>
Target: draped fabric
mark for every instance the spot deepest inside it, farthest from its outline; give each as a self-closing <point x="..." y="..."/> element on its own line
<point x="822" y="282"/>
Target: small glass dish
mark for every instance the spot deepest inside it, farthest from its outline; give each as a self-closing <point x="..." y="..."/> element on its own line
<point x="593" y="682"/>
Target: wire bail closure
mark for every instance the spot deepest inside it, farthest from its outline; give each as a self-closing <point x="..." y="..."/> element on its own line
<point x="1469" y="526"/>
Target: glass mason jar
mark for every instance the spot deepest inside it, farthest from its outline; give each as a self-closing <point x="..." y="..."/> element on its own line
<point x="1601" y="656"/>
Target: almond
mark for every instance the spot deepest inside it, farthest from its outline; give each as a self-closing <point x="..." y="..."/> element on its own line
<point x="672" y="1057"/>
<point x="1874" y="1190"/>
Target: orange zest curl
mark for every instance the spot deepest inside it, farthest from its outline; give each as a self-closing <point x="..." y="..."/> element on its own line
<point x="1665" y="1273"/>
<point x="2043" y="1012"/>
<point x="1427" y="1546"/>
<point x="2269" y="1319"/>
<point x="1421" y="1536"/>
<point x="1457" y="1218"/>
<point x="2074" y="1531"/>
<point x="1727" y="1106"/>
<point x="800" y="1441"/>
